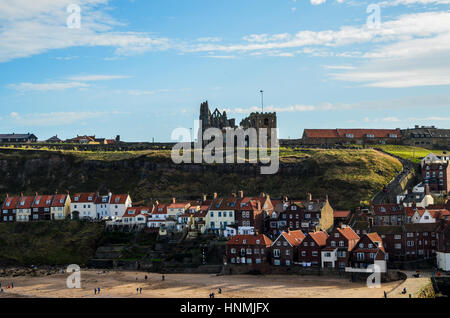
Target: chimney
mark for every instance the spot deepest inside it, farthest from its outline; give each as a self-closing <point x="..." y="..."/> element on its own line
<point x="36" y="194"/>
<point x="233" y="195"/>
<point x="204" y="197"/>
<point x="157" y="202"/>
<point x="241" y="194"/>
<point x="7" y="195"/>
<point x="215" y="195"/>
<point x="427" y="189"/>
<point x="174" y="200"/>
<point x="308" y="196"/>
<point x="263" y="194"/>
<point x="21" y="194"/>
<point x="268" y="197"/>
<point x="56" y="191"/>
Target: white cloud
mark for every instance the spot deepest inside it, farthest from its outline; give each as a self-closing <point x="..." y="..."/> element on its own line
<point x="90" y="78"/>
<point x="410" y="2"/>
<point x="42" y="87"/>
<point x="56" y="118"/>
<point x="34" y="27"/>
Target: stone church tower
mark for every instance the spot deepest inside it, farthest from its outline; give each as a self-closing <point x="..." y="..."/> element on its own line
<point x="261" y="120"/>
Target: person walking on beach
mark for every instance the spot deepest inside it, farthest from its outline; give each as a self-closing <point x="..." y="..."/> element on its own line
<point x="99" y="290"/>
<point x="163" y="277"/>
<point x="146" y="277"/>
<point x="220" y="290"/>
<point x="140" y="290"/>
<point x="12" y="285"/>
<point x="95" y="291"/>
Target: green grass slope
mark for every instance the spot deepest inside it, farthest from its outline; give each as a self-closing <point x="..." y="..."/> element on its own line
<point x="55" y="243"/>
<point x="348" y="176"/>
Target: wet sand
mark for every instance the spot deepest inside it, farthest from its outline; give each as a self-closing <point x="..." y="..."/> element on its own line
<point x="123" y="285"/>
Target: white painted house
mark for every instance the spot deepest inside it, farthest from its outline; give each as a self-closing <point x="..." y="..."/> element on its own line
<point x="83" y="206"/>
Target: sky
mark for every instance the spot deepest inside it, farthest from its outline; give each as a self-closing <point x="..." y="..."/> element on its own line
<point x="141" y="68"/>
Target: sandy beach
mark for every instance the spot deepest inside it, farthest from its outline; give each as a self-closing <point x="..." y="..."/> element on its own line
<point x="124" y="284"/>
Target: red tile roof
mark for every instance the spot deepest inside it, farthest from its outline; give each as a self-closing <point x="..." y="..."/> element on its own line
<point x="10" y="203"/>
<point x="348" y="233"/>
<point x="25" y="202"/>
<point x="84" y="197"/>
<point x="118" y="199"/>
<point x="295" y="238"/>
<point x="42" y="201"/>
<point x="160" y="209"/>
<point x="321" y="133"/>
<point x="137" y="210"/>
<point x="59" y="200"/>
<point x="341" y="214"/>
<point x="319" y="237"/>
<point x="250" y="240"/>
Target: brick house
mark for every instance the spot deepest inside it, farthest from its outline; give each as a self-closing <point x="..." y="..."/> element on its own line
<point x="388" y="214"/>
<point x="436" y="173"/>
<point x="284" y="248"/>
<point x="23" y="211"/>
<point x="341" y="217"/>
<point x="443" y="245"/>
<point x="250" y="250"/>
<point x="249" y="216"/>
<point x="40" y="208"/>
<point x="309" y="252"/>
<point x="368" y="249"/>
<point x="310" y="215"/>
<point x="420" y="240"/>
<point x="9" y="209"/>
<point x="393" y="241"/>
<point x="339" y="244"/>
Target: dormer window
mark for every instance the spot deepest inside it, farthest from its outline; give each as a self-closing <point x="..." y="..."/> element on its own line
<point x="370" y="136"/>
<point x="393" y="136"/>
<point x="47" y="202"/>
<point x="89" y="198"/>
<point x="117" y="200"/>
<point x="382" y="209"/>
<point x="37" y="202"/>
<point x="258" y="242"/>
<point x="76" y="198"/>
<point x="61" y="201"/>
<point x="8" y="203"/>
<point x="244" y="242"/>
<point x="349" y="135"/>
<point x="22" y="203"/>
<point x="130" y="212"/>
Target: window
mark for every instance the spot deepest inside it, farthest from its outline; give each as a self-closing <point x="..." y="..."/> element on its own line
<point x="333" y="243"/>
<point x="409" y="234"/>
<point x="336" y="235"/>
<point x="315" y="253"/>
<point x="397" y="237"/>
<point x="276" y="253"/>
<point x="410" y="243"/>
<point x="303" y="253"/>
<point x="258" y="261"/>
<point x="361" y="245"/>
<point x="276" y="262"/>
<point x="360" y="256"/>
<point x="341" y="243"/>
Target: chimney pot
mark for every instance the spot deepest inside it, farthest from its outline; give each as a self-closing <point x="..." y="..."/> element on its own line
<point x="215" y="195"/>
<point x="241" y="194"/>
<point x="174" y="200"/>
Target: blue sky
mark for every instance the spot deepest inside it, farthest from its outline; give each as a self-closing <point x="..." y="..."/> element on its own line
<point x="141" y="68"/>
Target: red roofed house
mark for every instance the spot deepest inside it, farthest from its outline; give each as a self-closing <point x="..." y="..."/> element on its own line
<point x="118" y="204"/>
<point x="83" y="206"/>
<point x="175" y="209"/>
<point x="23" y="211"/>
<point x="369" y="248"/>
<point x="9" y="209"/>
<point x="40" y="208"/>
<point x="60" y="207"/>
<point x="310" y="250"/>
<point x="340" y="243"/>
<point x="158" y="217"/>
<point x="351" y="136"/>
<point x="341" y="217"/>
<point x="284" y="248"/>
<point x="249" y="216"/>
<point x="136" y="216"/>
<point x="251" y="250"/>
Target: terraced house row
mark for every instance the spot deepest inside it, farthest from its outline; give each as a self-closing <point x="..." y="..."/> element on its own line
<point x="91" y="206"/>
<point x="339" y="248"/>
